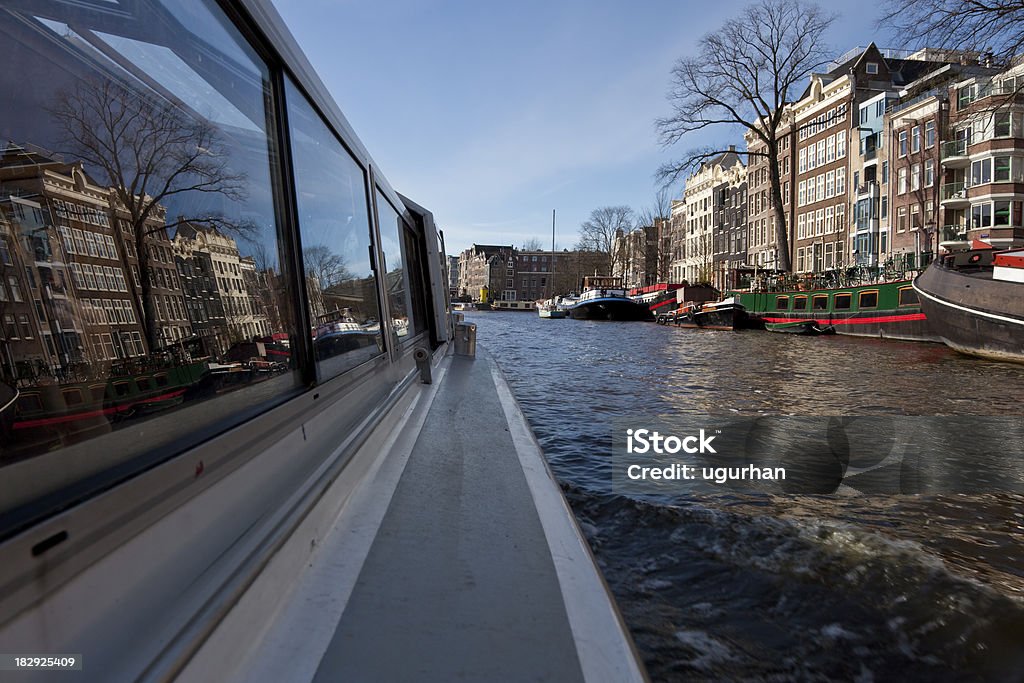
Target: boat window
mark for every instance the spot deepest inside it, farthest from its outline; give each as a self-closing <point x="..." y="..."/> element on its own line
<point x="843" y="301"/>
<point x="396" y="276"/>
<point x="109" y="78"/>
<point x="144" y="383"/>
<point x="29" y="403"/>
<point x="908" y="297"/>
<point x="868" y="299"/>
<point x="334" y="220"/>
<point x="782" y="303"/>
<point x="800" y="303"/>
<point x="72" y="397"/>
<point x="819" y="302"/>
<point x="416" y="261"/>
<point x="161" y="379"/>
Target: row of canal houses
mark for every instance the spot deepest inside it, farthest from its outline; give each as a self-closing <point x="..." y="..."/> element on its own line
<point x="885" y="157"/>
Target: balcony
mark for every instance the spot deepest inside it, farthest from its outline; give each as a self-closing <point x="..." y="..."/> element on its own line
<point x="868" y="189"/>
<point x="954" y="196"/>
<point x="952" y="233"/>
<point x="954" y="154"/>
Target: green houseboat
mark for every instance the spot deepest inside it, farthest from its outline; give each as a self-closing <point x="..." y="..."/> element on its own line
<point x="889" y="309"/>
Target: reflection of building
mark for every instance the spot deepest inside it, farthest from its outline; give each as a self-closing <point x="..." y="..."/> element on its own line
<point x="243" y="316"/>
<point x="21" y="335"/>
<point x="203" y="304"/>
<point x="82" y="303"/>
<point x="171" y="323"/>
<point x="254" y="319"/>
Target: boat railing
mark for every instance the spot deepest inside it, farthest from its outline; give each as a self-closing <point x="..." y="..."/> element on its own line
<point x="895" y="268"/>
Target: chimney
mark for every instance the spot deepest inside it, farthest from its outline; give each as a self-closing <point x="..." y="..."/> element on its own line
<point x="732" y="148"/>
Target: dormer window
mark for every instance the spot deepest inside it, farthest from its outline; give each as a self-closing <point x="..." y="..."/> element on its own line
<point x="872" y="67"/>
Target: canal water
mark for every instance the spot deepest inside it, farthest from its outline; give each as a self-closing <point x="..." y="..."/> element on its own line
<point x="787" y="586"/>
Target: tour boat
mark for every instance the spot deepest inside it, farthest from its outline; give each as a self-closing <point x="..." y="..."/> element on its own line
<point x="973" y="300"/>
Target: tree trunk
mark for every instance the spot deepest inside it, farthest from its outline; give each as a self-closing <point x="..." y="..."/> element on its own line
<point x="781" y="232"/>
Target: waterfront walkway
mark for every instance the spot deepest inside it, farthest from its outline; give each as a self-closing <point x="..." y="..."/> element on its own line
<point x="457" y="560"/>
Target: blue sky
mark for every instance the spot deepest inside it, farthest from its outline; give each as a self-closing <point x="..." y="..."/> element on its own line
<point x="493" y="114"/>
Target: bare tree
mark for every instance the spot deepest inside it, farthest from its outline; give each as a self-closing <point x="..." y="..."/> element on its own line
<point x="325" y="266"/>
<point x="743" y="75"/>
<point x="598" y="232"/>
<point x="659" y="208"/>
<point x="532" y="244"/>
<point x="992" y="27"/>
<point x="148" y="151"/>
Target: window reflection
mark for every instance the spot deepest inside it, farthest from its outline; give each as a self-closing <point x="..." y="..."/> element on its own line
<point x="334" y="223"/>
<point x="142" y="298"/>
<point x="395" y="280"/>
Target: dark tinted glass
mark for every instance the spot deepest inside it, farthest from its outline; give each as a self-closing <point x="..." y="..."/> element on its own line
<point x="396" y="279"/>
<point x="334" y="221"/>
<point x="140" y="265"/>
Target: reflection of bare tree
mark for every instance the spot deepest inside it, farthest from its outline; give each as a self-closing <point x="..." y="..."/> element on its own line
<point x="325" y="266"/>
<point x="148" y="151"/>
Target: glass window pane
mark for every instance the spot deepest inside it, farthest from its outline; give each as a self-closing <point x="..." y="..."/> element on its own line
<point x="396" y="279"/>
<point x="334" y="222"/>
<point x="185" y="99"/>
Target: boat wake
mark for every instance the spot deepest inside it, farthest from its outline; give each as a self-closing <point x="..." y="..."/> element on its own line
<point x="732" y="589"/>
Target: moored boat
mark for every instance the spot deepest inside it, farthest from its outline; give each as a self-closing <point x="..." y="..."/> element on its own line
<point x="973" y="300"/>
<point x="549" y="308"/>
<point x="727" y="314"/>
<point x="513" y="306"/>
<point x="659" y="298"/>
<point x="885" y="309"/>
<point x="605" y="299"/>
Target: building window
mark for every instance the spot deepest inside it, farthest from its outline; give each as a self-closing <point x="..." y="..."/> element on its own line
<point x="981" y="215"/>
<point x="901" y="219"/>
<point x="903" y="143"/>
<point x="981" y="172"/>
<point x="915" y="139"/>
<point x="915" y="177"/>
<point x="1001" y="168"/>
<point x="901" y="181"/>
<point x="929" y="173"/>
<point x="1001" y="124"/>
<point x="871" y="68"/>
<point x="929" y="134"/>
